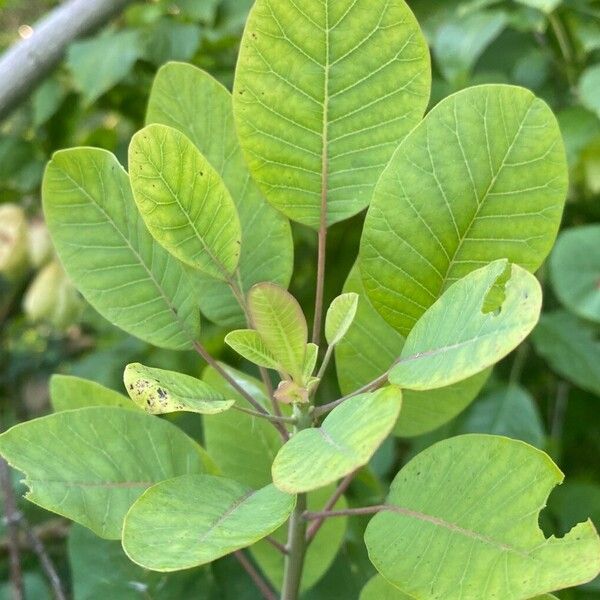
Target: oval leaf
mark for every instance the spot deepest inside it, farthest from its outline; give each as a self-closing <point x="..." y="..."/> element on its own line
<point x="249" y="344"/>
<point x="339" y="318"/>
<point x="198" y="105"/>
<point x="183" y="201"/>
<point x="454" y="339"/>
<point x="279" y="320"/>
<point x="68" y="392"/>
<point x="483" y="177"/>
<point x="201" y="519"/>
<point x="91" y="464"/>
<point x="575" y="271"/>
<point x="462" y="522"/>
<point x="347" y="439"/>
<point x="161" y="392"/>
<point x="323" y="93"/>
<point x="109" y="254"/>
<point x="378" y="588"/>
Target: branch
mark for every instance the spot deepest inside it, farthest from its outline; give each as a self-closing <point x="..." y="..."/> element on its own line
<point x="24" y="66"/>
<point x="256" y="577"/>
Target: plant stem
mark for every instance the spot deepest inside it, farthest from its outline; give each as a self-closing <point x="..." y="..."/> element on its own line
<point x="294" y="560"/>
<point x="348" y="512"/>
<point x="11" y="516"/>
<point x="313" y="529"/>
<point x="276" y="544"/>
<point x="271" y="418"/>
<point x="256" y="577"/>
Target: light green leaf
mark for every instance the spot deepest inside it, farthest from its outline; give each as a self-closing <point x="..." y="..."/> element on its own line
<point x="509" y="410"/>
<point x="575" y="270"/>
<point x="108" y="253"/>
<point x="91" y="464"/>
<point x="161" y="392"/>
<point x="169" y="40"/>
<point x="310" y="361"/>
<point x="339" y="318"/>
<point x="249" y="344"/>
<point x="279" y="320"/>
<point x="454" y="339"/>
<point x="571" y="347"/>
<point x="324" y="91"/>
<point x="346" y="440"/>
<point x="201" y="519"/>
<point x="68" y="392"/>
<point x="242" y="446"/>
<point x="192" y="101"/>
<point x="118" y="52"/>
<point x="100" y="569"/>
<point x="546" y="6"/>
<point x="370" y="348"/>
<point x="321" y="552"/>
<point x="462" y="522"/>
<point x="378" y="588"/>
<point x="184" y="202"/>
<point x="483" y="177"/>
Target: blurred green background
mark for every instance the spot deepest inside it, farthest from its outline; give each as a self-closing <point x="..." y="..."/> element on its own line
<point x="98" y="96"/>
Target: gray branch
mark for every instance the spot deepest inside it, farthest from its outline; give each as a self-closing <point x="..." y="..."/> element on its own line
<point x="26" y="64"/>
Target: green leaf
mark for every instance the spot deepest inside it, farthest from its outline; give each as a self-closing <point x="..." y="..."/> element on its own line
<point x="454" y="339"/>
<point x="339" y="318"/>
<point x="100" y="569"/>
<point x="509" y="410"/>
<point x="161" y="392"/>
<point x="109" y="254"/>
<point x="378" y="588"/>
<point x="68" y="392"/>
<point x="279" y="320"/>
<point x="463" y="522"/>
<point x="546" y="6"/>
<point x="575" y="271"/>
<point x="242" y="446"/>
<point x="169" y="40"/>
<point x="571" y="347"/>
<point x="93" y="76"/>
<point x="483" y="177"/>
<point x="320" y="554"/>
<point x="370" y="348"/>
<point x="91" y="464"/>
<point x="310" y="361"/>
<point x="192" y="101"/>
<point x="346" y="440"/>
<point x="201" y="519"/>
<point x="183" y="201"/>
<point x="249" y="344"/>
<point x="323" y="93"/>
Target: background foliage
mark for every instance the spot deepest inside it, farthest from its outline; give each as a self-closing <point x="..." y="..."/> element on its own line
<point x="546" y="393"/>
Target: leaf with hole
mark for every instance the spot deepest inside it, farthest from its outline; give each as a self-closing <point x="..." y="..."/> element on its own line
<point x="233" y="516"/>
<point x="483" y="177"/>
<point x="160" y="392"/>
<point x="346" y="440"/>
<point x="462" y="522"/>
<point x="323" y="93"/>
<point x="91" y="464"/>
<point x="184" y="202"/>
<point x="454" y="339"/>
<point x="109" y="254"/>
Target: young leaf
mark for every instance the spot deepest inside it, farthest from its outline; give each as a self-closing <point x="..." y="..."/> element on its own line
<point x="310" y="361"/>
<point x="249" y="344"/>
<point x="571" y="347"/>
<point x="279" y="320"/>
<point x="462" y="521"/>
<point x="323" y="93"/>
<point x="198" y="105"/>
<point x="183" y="201"/>
<point x="346" y="440"/>
<point x="339" y="318"/>
<point x="454" y="339"/>
<point x="91" y="464"/>
<point x="483" y="177"/>
<point x="378" y="588"/>
<point x="161" y="392"/>
<point x="68" y="392"/>
<point x="201" y="519"/>
<point x="370" y="348"/>
<point x="575" y="271"/>
<point x="109" y="254"/>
